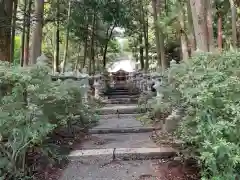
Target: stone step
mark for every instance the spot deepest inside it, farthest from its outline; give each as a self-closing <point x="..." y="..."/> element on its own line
<point x="108" y="169"/>
<point x="139" y="129"/>
<point x="120" y="93"/>
<point x="119" y="140"/>
<point x="123" y="116"/>
<point x="119" y="109"/>
<point x="123" y="123"/>
<point x="123" y="96"/>
<point x="124" y="153"/>
<point x="123" y="101"/>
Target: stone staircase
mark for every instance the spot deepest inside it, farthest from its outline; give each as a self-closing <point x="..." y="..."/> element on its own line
<point x="119" y="147"/>
<point x="121" y="95"/>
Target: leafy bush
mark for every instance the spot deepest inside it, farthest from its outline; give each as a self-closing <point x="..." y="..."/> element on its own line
<point x="208" y="88"/>
<point x="32" y="108"/>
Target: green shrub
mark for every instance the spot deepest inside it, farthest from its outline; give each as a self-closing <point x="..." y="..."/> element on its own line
<point x="208" y="88"/>
<point x="32" y="108"/>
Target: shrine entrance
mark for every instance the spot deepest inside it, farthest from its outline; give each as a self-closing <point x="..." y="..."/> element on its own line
<point x="120" y="78"/>
<point x="120" y="75"/>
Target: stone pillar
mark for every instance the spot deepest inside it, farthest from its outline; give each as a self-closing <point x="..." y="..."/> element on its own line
<point x="172" y="66"/>
<point x="160" y="95"/>
<point x="138" y="79"/>
<point x="97" y="86"/>
<point x="85" y="86"/>
<point x="149" y="83"/>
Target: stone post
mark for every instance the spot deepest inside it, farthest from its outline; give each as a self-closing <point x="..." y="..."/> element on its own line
<point x="85" y="82"/>
<point x="145" y="85"/>
<point x="149" y="83"/>
<point x="172" y="66"/>
<point x="97" y="86"/>
<point x="160" y="95"/>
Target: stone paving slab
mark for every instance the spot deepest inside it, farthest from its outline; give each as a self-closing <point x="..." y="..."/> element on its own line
<point x="122" y="154"/>
<point x="118" y="108"/>
<point x="124" y="116"/>
<point x="144" y="153"/>
<point x="102" y="156"/>
<point x="117" y="96"/>
<point x="115" y="170"/>
<point x="122" y="101"/>
<point x="120" y="140"/>
<point x="121" y="122"/>
<point x="139" y="129"/>
<point x="126" y="123"/>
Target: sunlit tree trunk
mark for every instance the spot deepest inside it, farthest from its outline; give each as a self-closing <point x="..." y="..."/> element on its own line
<point x="37" y="31"/>
<point x="208" y="8"/>
<point x="191" y="35"/>
<point x="200" y="24"/>
<point x="234" y="26"/>
<point x="13" y="29"/>
<point x="23" y="31"/>
<point x="220" y="43"/>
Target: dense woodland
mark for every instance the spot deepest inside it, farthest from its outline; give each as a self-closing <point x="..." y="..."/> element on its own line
<point x="83" y="32"/>
<point x="202" y="35"/>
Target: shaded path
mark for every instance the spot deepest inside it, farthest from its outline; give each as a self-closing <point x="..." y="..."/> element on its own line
<point x="119" y="148"/>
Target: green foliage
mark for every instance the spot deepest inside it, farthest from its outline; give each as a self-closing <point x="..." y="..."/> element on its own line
<point x="114" y="46"/>
<point x="32" y="108"/>
<point x="208" y="88"/>
<point x="17" y="49"/>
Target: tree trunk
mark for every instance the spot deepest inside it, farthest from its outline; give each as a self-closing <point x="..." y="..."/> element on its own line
<point x="220" y="45"/>
<point x="78" y="58"/>
<point x="200" y="25"/>
<point x="160" y="9"/>
<point x="208" y="5"/>
<point x="156" y="30"/>
<point x="23" y="32"/>
<point x="109" y="36"/>
<point x="146" y="66"/>
<point x="141" y="52"/>
<point x="86" y="41"/>
<point x="57" y="45"/>
<point x="191" y="35"/>
<point x="6" y="8"/>
<point x="27" y="37"/>
<point x="13" y="30"/>
<point x="37" y="31"/>
<point x="234" y="25"/>
<point x="144" y="17"/>
<point x="67" y="38"/>
<point x="184" y="46"/>
<point x="92" y="59"/>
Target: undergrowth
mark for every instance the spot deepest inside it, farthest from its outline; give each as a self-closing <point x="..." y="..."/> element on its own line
<point x="207" y="87"/>
<point x="33" y="107"/>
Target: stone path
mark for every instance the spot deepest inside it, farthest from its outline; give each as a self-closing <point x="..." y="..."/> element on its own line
<point x="119" y="148"/>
